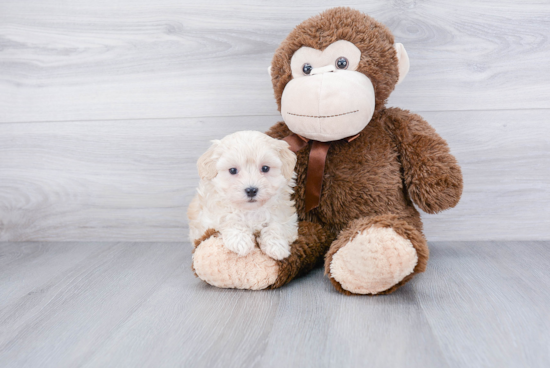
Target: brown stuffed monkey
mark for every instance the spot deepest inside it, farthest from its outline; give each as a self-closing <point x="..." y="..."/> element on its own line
<point x="360" y="164"/>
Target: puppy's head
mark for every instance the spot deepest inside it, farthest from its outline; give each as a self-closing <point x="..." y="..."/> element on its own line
<point x="248" y="168"/>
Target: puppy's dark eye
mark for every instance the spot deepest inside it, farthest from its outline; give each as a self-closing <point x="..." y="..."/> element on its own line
<point x="265" y="168"/>
<point x="233" y="171"/>
<point x="342" y="63"/>
<point x="307" y="68"/>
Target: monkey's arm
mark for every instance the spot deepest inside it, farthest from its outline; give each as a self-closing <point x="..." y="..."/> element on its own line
<point x="432" y="175"/>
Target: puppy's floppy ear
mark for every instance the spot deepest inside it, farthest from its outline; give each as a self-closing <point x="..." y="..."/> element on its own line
<point x="287" y="157"/>
<point x="207" y="163"/>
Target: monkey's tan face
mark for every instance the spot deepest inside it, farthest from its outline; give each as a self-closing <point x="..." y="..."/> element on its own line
<point x="327" y="98"/>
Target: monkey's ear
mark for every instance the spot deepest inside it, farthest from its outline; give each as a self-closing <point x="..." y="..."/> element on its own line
<point x="403" y="61"/>
<point x="207" y="163"/>
<point x="287" y="157"/>
<point x="269" y="70"/>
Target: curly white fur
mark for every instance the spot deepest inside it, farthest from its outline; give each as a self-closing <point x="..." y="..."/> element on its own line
<point x="222" y="203"/>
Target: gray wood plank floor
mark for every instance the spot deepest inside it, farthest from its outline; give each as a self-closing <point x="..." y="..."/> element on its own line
<point x="105" y="107"/>
<point x="480" y="304"/>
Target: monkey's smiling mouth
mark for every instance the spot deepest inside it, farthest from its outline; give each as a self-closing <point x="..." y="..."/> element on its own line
<point x="323" y="117"/>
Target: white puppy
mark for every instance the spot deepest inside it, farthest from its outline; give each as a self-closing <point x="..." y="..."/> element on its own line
<point x="244" y="191"/>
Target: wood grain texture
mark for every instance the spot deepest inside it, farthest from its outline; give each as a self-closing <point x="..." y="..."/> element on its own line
<point x="94" y="302"/>
<point x="479" y="304"/>
<point x="132" y="180"/>
<point x="107" y="105"/>
<point x="81" y="60"/>
<point x="481" y="296"/>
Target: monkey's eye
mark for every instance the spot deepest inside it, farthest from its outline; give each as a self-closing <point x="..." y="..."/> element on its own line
<point x="233" y="171"/>
<point x="342" y="63"/>
<point x="307" y="68"/>
<point x="265" y="169"/>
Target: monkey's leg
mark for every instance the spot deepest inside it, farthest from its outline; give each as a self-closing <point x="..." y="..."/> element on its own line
<point x="305" y="253"/>
<point x="220" y="267"/>
<point x="376" y="255"/>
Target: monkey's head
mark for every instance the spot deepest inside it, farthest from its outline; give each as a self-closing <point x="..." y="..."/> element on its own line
<point x="333" y="71"/>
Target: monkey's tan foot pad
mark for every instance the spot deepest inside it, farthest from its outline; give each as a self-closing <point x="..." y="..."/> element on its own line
<point x="220" y="267"/>
<point x="373" y="261"/>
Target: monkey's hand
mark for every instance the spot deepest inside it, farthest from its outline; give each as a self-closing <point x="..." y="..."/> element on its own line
<point x="432" y="175"/>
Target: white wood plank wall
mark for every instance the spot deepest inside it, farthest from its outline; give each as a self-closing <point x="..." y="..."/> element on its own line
<point x="105" y="107"/>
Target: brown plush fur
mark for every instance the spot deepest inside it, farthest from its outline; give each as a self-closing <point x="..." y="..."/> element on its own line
<point x="304" y="257"/>
<point x="378" y="57"/>
<point x="207" y="234"/>
<point x="373" y="180"/>
<point x="398" y="157"/>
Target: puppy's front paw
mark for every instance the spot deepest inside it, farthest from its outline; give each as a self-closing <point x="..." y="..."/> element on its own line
<point x="274" y="246"/>
<point x="240" y="242"/>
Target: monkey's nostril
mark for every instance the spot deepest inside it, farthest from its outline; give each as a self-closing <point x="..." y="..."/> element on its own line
<point x="251" y="191"/>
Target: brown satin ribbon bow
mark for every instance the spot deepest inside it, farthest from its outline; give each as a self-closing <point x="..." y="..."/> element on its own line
<point x="315" y="166"/>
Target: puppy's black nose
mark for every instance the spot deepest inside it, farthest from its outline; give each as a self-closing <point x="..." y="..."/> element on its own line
<point x="251" y="192"/>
